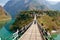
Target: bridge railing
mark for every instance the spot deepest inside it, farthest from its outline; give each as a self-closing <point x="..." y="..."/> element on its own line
<point x="43" y="32"/>
<point x="23" y="30"/>
<point x="18" y="34"/>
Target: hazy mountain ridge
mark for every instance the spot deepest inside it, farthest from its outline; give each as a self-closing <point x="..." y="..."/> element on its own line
<point x="14" y="6"/>
<point x="56" y="7"/>
<point x="37" y="5"/>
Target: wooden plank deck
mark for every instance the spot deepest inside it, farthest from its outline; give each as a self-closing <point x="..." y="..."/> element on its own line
<point x="32" y="33"/>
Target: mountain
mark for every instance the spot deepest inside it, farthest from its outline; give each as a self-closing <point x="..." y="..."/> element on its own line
<point x="4" y="15"/>
<point x="38" y="5"/>
<point x="14" y="6"/>
<point x="56" y="6"/>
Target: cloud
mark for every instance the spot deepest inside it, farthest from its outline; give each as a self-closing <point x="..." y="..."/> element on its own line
<point x="53" y="2"/>
<point x="3" y="2"/>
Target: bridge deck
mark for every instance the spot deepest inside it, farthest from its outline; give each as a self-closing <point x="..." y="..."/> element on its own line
<point x="32" y="33"/>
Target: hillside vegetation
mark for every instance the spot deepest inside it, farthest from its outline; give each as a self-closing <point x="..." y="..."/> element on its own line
<point x="4" y="17"/>
<point x="50" y="20"/>
<point x="55" y="15"/>
<point x="22" y="19"/>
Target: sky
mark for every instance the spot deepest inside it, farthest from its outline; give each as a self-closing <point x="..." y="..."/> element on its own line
<point x="52" y="2"/>
<point x="3" y="2"/>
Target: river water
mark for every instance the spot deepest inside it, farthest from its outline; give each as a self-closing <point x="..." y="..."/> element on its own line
<point x="5" y="34"/>
<point x="57" y="37"/>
